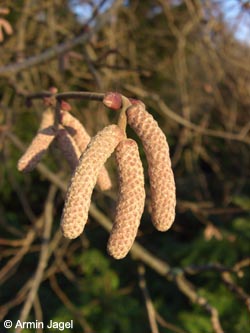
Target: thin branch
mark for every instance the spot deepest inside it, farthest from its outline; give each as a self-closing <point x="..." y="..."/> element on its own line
<point x="188" y="289"/>
<point x="38" y="313"/>
<point x="167" y="325"/>
<point x="81" y="95"/>
<point x="18" y="299"/>
<point x="193" y="269"/>
<point x="148" y="302"/>
<point x="11" y="266"/>
<point x="48" y="219"/>
<point x="94" y="96"/>
<point x="69" y="305"/>
<point x="240" y="293"/>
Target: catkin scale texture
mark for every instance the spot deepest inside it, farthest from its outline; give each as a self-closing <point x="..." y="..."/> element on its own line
<point x="68" y="147"/>
<point x="39" y="144"/>
<point x="82" y="139"/>
<point x="75" y="129"/>
<point x="162" y="184"/>
<point x="103" y="180"/>
<point x="131" y="199"/>
<point x="79" y="193"/>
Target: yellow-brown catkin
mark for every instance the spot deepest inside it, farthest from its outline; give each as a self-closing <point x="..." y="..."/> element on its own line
<point x="68" y="147"/>
<point x="131" y="199"/>
<point x="77" y="203"/>
<point x="39" y="144"/>
<point x="75" y="129"/>
<point x="82" y="138"/>
<point x="162" y="184"/>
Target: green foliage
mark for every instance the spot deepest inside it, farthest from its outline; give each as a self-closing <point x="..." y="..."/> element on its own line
<point x="98" y="297"/>
<point x="195" y="323"/>
<point x="242" y="201"/>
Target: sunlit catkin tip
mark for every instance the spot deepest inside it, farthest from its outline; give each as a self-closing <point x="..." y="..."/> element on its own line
<point x="130" y="201"/>
<point x="39" y="144"/>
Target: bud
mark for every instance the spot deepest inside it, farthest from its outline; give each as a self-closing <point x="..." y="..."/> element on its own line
<point x="53" y="90"/>
<point x="65" y="106"/>
<point x="131" y="199"/>
<point x="79" y="193"/>
<point x="39" y="144"/>
<point x="161" y="177"/>
<point x="82" y="138"/>
<point x="113" y="100"/>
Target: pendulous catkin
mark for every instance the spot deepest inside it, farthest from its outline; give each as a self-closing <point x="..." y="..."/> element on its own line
<point x="39" y="144"/>
<point x="77" y="203"/>
<point x="68" y="147"/>
<point x="130" y="201"/>
<point x="82" y="139"/>
<point x="162" y="184"/>
<point x="75" y="129"/>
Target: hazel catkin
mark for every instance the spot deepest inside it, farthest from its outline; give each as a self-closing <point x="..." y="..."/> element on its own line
<point x="162" y="184"/>
<point x="130" y="201"/>
<point x="82" y="138"/>
<point x="75" y="129"/>
<point x="79" y="193"/>
<point x="68" y="147"/>
<point x="39" y="144"/>
<point x="113" y="100"/>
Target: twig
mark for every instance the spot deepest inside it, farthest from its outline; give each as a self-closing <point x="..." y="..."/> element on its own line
<point x="94" y="96"/>
<point x="93" y="71"/>
<point x="8" y="269"/>
<point x="240" y="293"/>
<point x="18" y="299"/>
<point x="188" y="289"/>
<point x="147" y="299"/>
<point x="65" y="300"/>
<point x="167" y="325"/>
<point x="48" y="219"/>
<point x="38" y="313"/>
<point x="11" y="242"/>
<point x="122" y="121"/>
<point x="80" y="95"/>
<point x="243" y="263"/>
<point x="193" y="269"/>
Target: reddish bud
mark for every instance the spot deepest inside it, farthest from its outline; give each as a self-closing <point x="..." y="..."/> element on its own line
<point x="53" y="90"/>
<point x="113" y="100"/>
<point x="65" y="106"/>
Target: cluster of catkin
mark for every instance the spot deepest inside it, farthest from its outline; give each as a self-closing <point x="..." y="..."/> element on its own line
<point x="87" y="158"/>
<point x="71" y="138"/>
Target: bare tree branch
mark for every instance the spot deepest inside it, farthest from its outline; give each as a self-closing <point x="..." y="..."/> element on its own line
<point x="56" y="50"/>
